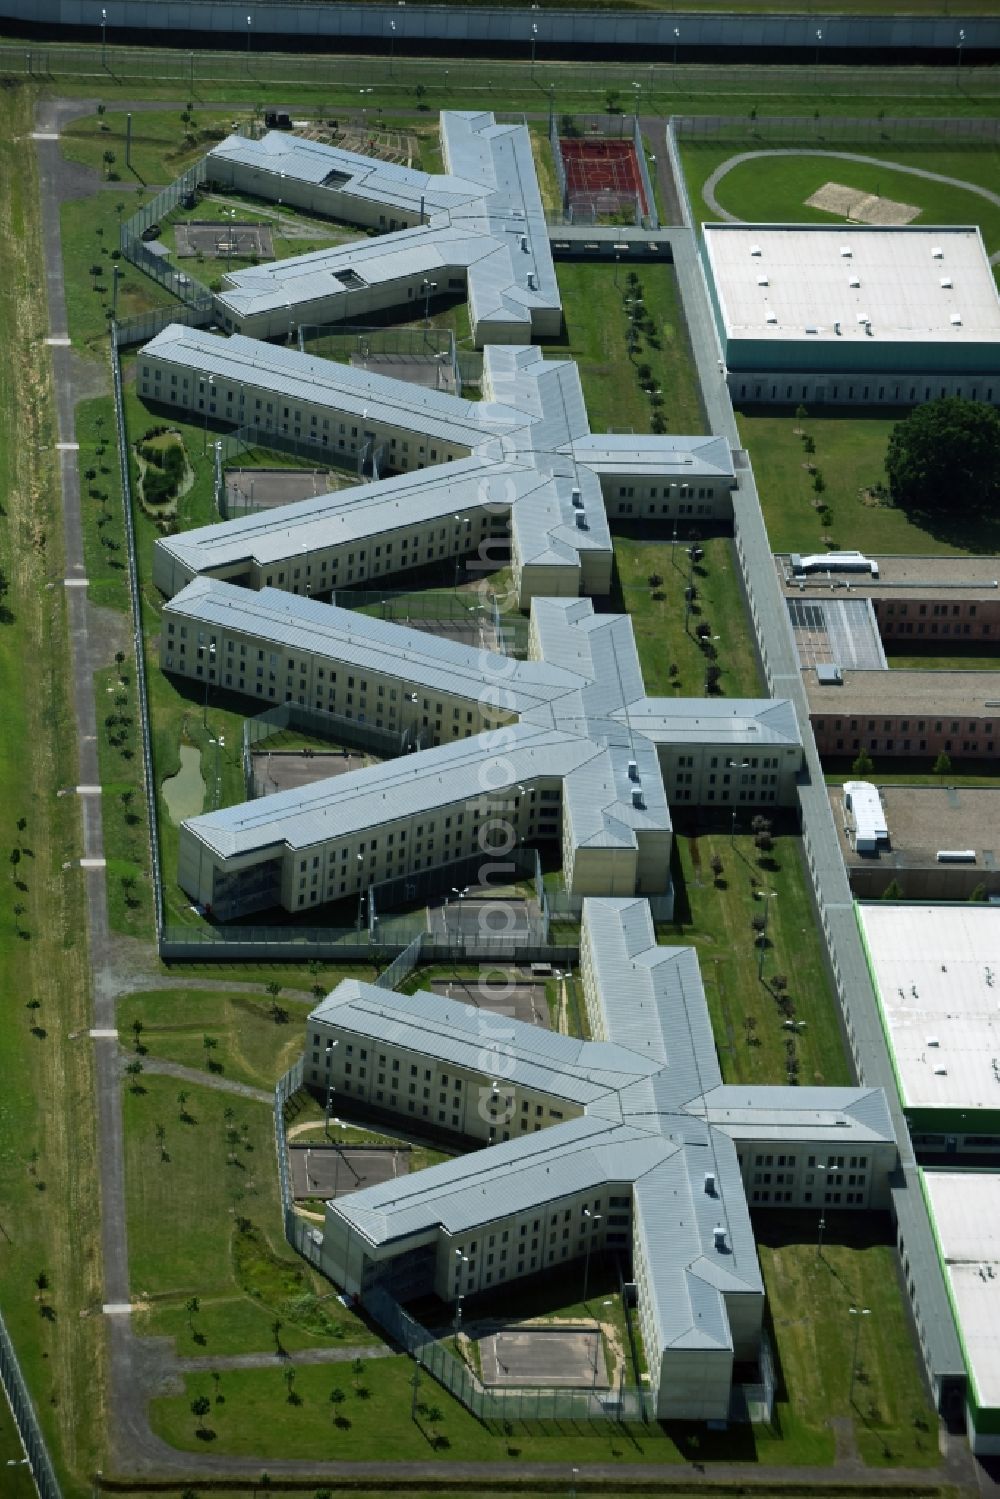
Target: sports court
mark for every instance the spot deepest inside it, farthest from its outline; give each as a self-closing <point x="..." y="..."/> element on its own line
<point x="603" y="175"/>
<point x="326" y="1170"/>
<point x="432" y="371"/>
<point x="562" y="1356"/>
<point x="510" y="917"/>
<point x="251" y="489"/>
<point x="284" y="770"/>
<point x="514" y="999"/>
<point x="227" y="240"/>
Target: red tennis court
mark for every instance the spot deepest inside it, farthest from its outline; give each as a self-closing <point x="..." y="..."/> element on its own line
<point x="602" y="170"/>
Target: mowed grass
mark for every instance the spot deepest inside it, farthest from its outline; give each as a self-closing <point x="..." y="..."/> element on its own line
<point x="49" y="1200"/>
<point x="659" y="623"/>
<point x="850" y="454"/>
<point x="809" y="1298"/>
<point x="204" y="1221"/>
<point x="163" y="145"/>
<point x="715" y="918"/>
<point x="89" y="229"/>
<point x="595" y="335"/>
<point x="774" y="189"/>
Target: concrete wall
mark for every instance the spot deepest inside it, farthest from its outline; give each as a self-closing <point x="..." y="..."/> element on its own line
<point x="864" y="387"/>
<point x="559" y="30"/>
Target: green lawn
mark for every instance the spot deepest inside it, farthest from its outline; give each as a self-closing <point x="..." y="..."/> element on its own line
<point x="658" y="624"/>
<point x="49" y="1199"/>
<point x="715" y="919"/>
<point x="89" y="229"/>
<point x="837" y="771"/>
<point x="850" y="455"/>
<point x="971" y="660"/>
<point x="163" y="145"/>
<point x="17" y="1481"/>
<point x="774" y="190"/>
<point x="595" y="332"/>
<point x="809" y="1298"/>
<point x="204" y="1221"/>
<point x="101" y="504"/>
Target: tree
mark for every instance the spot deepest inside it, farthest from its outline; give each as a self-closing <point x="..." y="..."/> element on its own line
<point x="716" y="868"/>
<point x="200" y="1407"/>
<point x="946" y="450"/>
<point x="942" y="765"/>
<point x="978" y="894"/>
<point x="893" y="891"/>
<point x="863" y="764"/>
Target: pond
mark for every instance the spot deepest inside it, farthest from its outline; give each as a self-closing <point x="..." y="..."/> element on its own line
<point x="184" y="793"/>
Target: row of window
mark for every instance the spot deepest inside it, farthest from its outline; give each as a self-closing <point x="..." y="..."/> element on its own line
<point x="865" y="393"/>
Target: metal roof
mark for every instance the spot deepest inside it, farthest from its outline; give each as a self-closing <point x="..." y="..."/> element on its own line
<point x="486" y="220"/>
<point x="675" y="458"/>
<point x="752" y="722"/>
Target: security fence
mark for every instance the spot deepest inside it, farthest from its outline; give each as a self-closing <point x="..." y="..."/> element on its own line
<point x="401" y="966"/>
<point x="141" y="688"/>
<point x="421" y="886"/>
<point x="651" y="219"/>
<point x="131" y="242"/>
<point x="26" y="1419"/>
<point x="387" y="346"/>
<point x="753" y="132"/>
<point x="316" y="723"/>
<point x="289" y="1082"/>
<point x="236" y="445"/>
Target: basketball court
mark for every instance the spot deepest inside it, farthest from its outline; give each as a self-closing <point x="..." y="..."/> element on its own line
<point x="249" y="490"/>
<point x="602" y="176"/>
<point x="227" y="240"/>
<point x="509" y="917"/>
<point x="432" y="371"/>
<point x="513" y="999"/>
<point x="326" y="1170"/>
<point x="554" y="1356"/>
<point x="284" y="770"/>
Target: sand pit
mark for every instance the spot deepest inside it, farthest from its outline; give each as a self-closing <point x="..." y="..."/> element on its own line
<point x="861" y="208"/>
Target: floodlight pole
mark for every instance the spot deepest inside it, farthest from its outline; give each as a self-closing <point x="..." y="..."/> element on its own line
<point x="960" y="44"/>
<point x="592" y="1218"/>
<point x="857" y="1312"/>
<point x="768" y="895"/>
<point x="104" y="38"/>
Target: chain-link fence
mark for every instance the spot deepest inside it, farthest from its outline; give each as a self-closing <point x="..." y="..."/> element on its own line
<point x="388" y="347"/>
<point x="316" y="723"/>
<point x="751" y="130"/>
<point x="26" y="1419"/>
<point x="401" y="966"/>
<point x="138" y="643"/>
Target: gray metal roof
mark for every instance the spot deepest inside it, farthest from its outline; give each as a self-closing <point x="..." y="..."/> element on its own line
<point x="767" y="722"/>
<point x="486" y="219"/>
<point x="681" y="459"/>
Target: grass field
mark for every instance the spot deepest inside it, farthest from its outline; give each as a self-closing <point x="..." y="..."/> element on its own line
<point x="90" y="237"/>
<point x="775" y="189"/>
<point x="189" y="1190"/>
<point x="49" y="1201"/>
<point x="595" y="335"/>
<point x="850" y="454"/>
<point x="714" y="917"/>
<point x="661" y="638"/>
<point x="163" y="144"/>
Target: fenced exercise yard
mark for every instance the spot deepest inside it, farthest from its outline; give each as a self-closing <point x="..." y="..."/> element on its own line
<point x="223" y="240"/>
<point x="560" y="1357"/>
<point x="329" y="1171"/>
<point x="603" y="178"/>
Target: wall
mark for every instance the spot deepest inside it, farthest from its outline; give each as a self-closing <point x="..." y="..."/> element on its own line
<point x="974" y="737"/>
<point x="927" y="618"/>
<point x="865" y="387"/>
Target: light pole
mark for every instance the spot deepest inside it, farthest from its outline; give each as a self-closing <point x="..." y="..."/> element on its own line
<point x="572" y="1482"/>
<point x="534" y="39"/>
<point x="961" y="44"/>
<point x="208" y="678"/>
<point x="857" y="1312"/>
<point x="819" y="43"/>
<point x="460" y="520"/>
<point x="249" y="28"/>
<point x="104" y="38"/>
<point x="428" y="288"/>
<point x="392" y="46"/>
<point x="463" y="1259"/>
<point x="361" y="898"/>
<point x="209" y="393"/>
<point x="593" y="1219"/>
<point x="822" y="1218"/>
<point x="329" y="1089"/>
<point x="677" y="37"/>
<point x="768" y="895"/>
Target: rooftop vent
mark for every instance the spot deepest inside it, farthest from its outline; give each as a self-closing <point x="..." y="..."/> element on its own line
<point x="637" y="796"/>
<point x="811" y="328"/>
<point x="532" y="281"/>
<point x="836" y="329"/>
<point x="710" y="1183"/>
<point x="633" y="770"/>
<point x="577" y="498"/>
<point x="862" y="317"/>
<point x="581" y="520"/>
<point x="524" y="243"/>
<point x="854" y="281"/>
<point x="772" y="317"/>
<point x="940" y="1072"/>
<point x="946" y="282"/>
<point x="937" y="252"/>
<point x="829" y="675"/>
<point x="933" y="1041"/>
<point x="956" y="320"/>
<point x="846" y="252"/>
<point x="719" y="1236"/>
<point x="756" y="250"/>
<point x="762" y="281"/>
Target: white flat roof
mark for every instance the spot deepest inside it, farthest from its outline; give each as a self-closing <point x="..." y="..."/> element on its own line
<point x="778" y="282"/>
<point x="965" y="1211"/>
<point x="937" y="973"/>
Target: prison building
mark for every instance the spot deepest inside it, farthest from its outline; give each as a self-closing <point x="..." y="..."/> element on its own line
<point x="950" y="600"/>
<point x="566" y="741"/>
<point x="676" y="480"/>
<point x="477" y="228"/>
<point x="520" y="456"/>
<point x="622" y="1143"/>
<point x="900" y="714"/>
<point x="854" y="315"/>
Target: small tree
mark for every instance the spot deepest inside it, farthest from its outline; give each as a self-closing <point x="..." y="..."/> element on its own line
<point x="716" y="868"/>
<point x="863" y="764"/>
<point x="893" y="891"/>
<point x="200" y="1407"/>
<point x="942" y="765"/>
<point x="978" y="894"/>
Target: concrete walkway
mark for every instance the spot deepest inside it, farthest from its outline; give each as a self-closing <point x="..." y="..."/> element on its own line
<point x="160" y="1066"/>
<point x="721" y="171"/>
